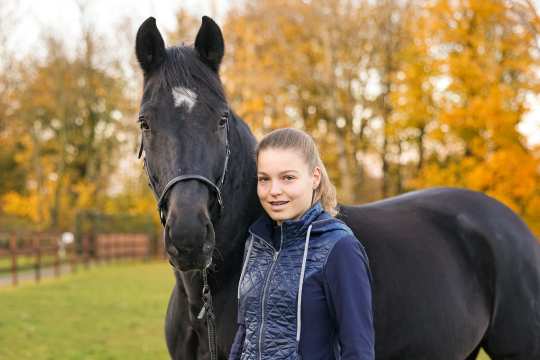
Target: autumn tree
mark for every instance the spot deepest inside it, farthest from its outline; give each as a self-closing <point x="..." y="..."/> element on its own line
<point x="485" y="63"/>
<point x="11" y="175"/>
<point x="302" y="64"/>
<point x="431" y="93"/>
<point x="70" y="110"/>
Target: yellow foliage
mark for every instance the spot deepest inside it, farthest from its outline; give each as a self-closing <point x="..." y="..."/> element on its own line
<point x="134" y="201"/>
<point x="487" y="67"/>
<point x="86" y="192"/>
<point x="20" y="205"/>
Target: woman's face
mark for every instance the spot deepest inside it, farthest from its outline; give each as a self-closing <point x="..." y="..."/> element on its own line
<point x="285" y="183"/>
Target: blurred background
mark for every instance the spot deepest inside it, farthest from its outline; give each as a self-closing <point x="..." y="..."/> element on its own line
<point x="399" y="94"/>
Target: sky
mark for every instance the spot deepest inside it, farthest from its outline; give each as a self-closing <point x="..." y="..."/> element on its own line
<point x="62" y="17"/>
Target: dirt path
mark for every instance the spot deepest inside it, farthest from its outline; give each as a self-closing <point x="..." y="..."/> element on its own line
<point x="29" y="275"/>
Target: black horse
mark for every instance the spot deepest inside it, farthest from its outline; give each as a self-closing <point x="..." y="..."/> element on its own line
<point x="453" y="270"/>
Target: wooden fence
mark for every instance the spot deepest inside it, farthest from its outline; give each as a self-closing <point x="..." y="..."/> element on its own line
<point x="39" y="251"/>
<point x="116" y="246"/>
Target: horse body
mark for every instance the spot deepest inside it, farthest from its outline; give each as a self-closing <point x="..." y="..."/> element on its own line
<point x="453" y="269"/>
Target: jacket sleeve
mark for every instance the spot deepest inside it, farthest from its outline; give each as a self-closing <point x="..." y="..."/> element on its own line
<point x="236" y="348"/>
<point x="348" y="287"/>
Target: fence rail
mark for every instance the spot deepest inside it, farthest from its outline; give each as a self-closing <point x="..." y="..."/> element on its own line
<point x="36" y="252"/>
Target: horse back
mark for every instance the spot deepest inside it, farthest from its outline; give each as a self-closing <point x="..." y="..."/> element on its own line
<point x="456" y="259"/>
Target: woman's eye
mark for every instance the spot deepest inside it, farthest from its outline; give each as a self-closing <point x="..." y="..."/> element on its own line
<point x="262" y="179"/>
<point x="289" y="177"/>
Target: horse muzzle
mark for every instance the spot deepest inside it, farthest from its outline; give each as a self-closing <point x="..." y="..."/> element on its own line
<point x="189" y="241"/>
<point x="185" y="259"/>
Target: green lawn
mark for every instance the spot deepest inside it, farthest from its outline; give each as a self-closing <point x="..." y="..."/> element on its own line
<point x="107" y="312"/>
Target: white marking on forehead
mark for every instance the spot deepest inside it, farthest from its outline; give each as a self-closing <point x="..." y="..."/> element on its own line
<point x="182" y="95"/>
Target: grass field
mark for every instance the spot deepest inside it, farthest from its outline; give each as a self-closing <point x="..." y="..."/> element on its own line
<point x="108" y="312"/>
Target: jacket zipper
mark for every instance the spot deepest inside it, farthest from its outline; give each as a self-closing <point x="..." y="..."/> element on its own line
<point x="276" y="254"/>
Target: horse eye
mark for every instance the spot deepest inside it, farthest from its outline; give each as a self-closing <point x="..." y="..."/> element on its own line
<point x="143" y="124"/>
<point x="223" y="119"/>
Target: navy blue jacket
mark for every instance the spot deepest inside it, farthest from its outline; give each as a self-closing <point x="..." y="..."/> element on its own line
<point x="329" y="280"/>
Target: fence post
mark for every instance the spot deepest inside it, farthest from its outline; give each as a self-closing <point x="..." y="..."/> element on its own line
<point x="13" y="250"/>
<point x="111" y="245"/>
<point x="37" y="250"/>
<point x="103" y="252"/>
<point x="110" y="248"/>
<point x="131" y="247"/>
<point x="71" y="252"/>
<point x="146" y="248"/>
<point x="135" y="246"/>
<point x="86" y="250"/>
<point x="57" y="259"/>
<point x="119" y="246"/>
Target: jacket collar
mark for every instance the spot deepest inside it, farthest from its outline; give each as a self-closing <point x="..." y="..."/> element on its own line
<point x="292" y="229"/>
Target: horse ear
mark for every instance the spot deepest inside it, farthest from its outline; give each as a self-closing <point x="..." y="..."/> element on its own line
<point x="209" y="43"/>
<point x="149" y="46"/>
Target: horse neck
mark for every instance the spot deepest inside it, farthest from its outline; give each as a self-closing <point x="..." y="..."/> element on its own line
<point x="242" y="206"/>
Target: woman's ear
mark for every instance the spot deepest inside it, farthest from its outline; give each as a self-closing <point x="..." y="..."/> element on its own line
<point x="316" y="177"/>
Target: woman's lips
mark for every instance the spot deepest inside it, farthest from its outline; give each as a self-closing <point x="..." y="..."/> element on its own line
<point x="278" y="204"/>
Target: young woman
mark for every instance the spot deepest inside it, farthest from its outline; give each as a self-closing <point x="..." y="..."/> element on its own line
<point x="305" y="287"/>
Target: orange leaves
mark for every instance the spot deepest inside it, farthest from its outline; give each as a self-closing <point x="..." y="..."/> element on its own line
<point x="86" y="193"/>
<point x="65" y="115"/>
<point x="510" y="175"/>
<point x="442" y="83"/>
<point x="510" y="172"/>
<point x="489" y="67"/>
<point x="20" y="205"/>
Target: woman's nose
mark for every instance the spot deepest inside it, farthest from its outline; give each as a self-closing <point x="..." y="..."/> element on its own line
<point x="275" y="188"/>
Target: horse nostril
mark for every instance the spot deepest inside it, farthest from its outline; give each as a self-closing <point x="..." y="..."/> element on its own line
<point x="172" y="250"/>
<point x="207" y="248"/>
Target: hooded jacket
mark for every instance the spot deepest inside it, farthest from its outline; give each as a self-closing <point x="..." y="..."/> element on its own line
<point x="304" y="292"/>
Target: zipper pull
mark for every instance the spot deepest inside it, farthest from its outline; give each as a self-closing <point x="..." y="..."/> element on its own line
<point x="202" y="312"/>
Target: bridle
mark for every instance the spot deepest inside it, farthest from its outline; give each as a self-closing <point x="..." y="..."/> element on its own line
<point x="207" y="308"/>
<point x="162" y="198"/>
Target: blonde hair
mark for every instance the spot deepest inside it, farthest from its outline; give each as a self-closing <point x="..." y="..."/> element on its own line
<point x="288" y="138"/>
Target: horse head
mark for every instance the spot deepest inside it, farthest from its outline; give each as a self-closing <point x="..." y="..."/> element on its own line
<point x="184" y="119"/>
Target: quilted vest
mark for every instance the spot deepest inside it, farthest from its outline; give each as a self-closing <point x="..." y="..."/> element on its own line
<point x="270" y="287"/>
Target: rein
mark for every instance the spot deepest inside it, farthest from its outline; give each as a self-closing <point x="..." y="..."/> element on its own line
<point x="207" y="308"/>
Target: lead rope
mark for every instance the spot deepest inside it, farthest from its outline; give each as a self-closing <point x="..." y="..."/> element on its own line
<point x="208" y="310"/>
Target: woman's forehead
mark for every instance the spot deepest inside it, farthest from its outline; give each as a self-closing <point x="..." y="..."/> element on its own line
<point x="280" y="160"/>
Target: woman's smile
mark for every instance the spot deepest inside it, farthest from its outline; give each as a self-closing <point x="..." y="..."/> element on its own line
<point x="278" y="205"/>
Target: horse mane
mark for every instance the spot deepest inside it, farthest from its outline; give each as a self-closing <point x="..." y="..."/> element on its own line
<point x="182" y="67"/>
